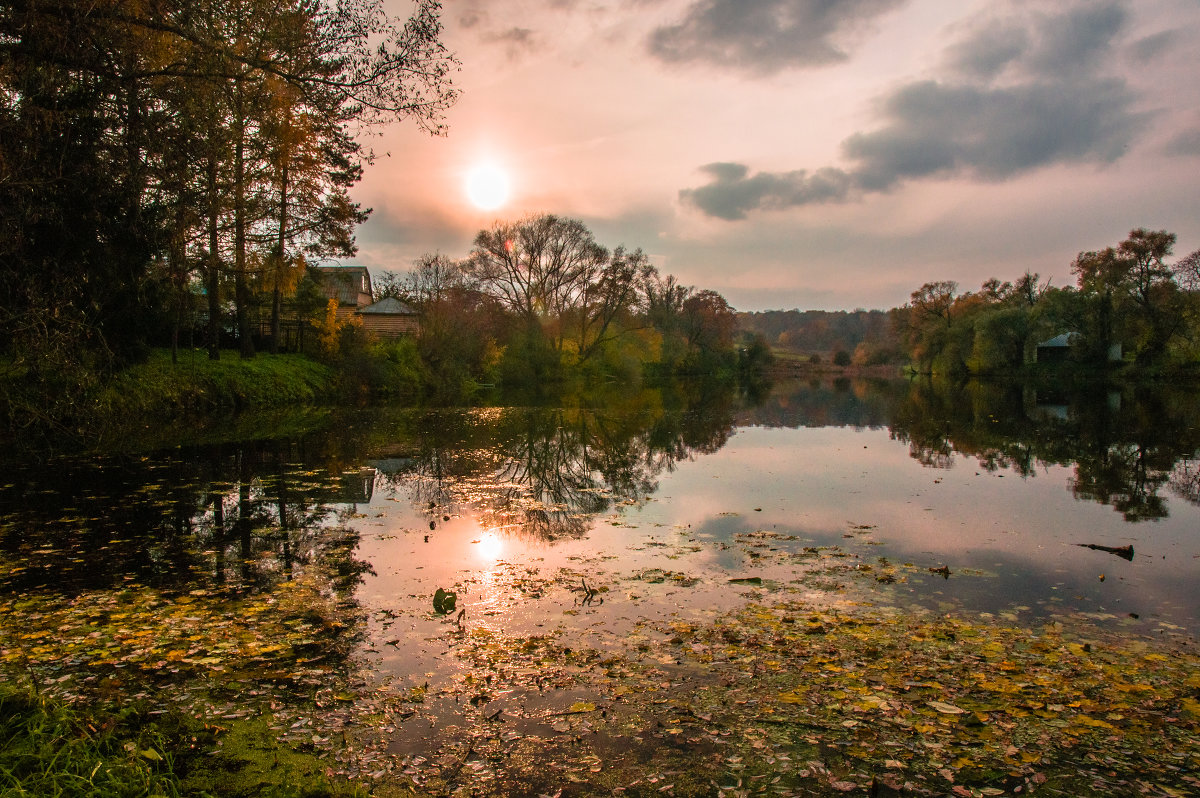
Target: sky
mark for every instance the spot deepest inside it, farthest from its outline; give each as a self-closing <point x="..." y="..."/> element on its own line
<point x="810" y="154"/>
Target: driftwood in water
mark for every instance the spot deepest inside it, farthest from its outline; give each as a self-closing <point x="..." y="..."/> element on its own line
<point x="1124" y="552"/>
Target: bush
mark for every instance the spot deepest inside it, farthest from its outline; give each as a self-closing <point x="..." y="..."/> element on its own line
<point x="841" y="358"/>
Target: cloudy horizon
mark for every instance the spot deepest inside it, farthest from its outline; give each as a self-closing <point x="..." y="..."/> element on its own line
<point x="810" y="154"/>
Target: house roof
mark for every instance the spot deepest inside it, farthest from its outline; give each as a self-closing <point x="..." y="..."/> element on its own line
<point x="1058" y="341"/>
<point x="389" y="306"/>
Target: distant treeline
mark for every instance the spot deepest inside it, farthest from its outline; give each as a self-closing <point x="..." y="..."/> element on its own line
<point x="864" y="336"/>
<point x="1132" y="309"/>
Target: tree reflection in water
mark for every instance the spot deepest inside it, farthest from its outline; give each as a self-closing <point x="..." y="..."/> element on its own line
<point x="1124" y="446"/>
<point x="547" y="472"/>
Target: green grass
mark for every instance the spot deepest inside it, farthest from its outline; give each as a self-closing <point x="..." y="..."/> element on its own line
<point x="47" y="749"/>
<point x="159" y="387"/>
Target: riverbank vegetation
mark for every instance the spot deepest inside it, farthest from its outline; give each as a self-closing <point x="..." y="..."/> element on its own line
<point x="1133" y="312"/>
<point x="538" y="305"/>
<point x="1130" y="310"/>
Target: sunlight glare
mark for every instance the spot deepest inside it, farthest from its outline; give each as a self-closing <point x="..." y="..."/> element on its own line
<point x="490" y="546"/>
<point x="487" y="186"/>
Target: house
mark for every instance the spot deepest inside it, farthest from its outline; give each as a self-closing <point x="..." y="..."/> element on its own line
<point x="349" y="285"/>
<point x="1055" y="350"/>
<point x="1058" y="349"/>
<point x="390" y="318"/>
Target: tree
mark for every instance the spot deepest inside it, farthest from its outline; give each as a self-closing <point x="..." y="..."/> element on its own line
<point x="1134" y="292"/>
<point x="1187" y="272"/>
<point x="933" y="301"/>
<point x="928" y="321"/>
<point x="549" y="272"/>
<point x="708" y="324"/>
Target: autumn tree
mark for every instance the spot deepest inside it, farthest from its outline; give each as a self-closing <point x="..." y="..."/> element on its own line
<point x="549" y="272"/>
<point x="1134" y="293"/>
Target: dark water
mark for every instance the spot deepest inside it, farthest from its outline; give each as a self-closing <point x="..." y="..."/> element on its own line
<point x="656" y="501"/>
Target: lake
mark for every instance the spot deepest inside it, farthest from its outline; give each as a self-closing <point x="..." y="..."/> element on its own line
<point x="317" y="547"/>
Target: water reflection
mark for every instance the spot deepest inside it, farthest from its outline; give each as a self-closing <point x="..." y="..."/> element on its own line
<point x="1127" y="449"/>
<point x="235" y="517"/>
<point x="243" y="515"/>
<point x="546" y="473"/>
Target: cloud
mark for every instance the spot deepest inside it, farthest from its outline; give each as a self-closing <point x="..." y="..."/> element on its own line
<point x="515" y="40"/>
<point x="986" y="53"/>
<point x="1015" y="97"/>
<point x="486" y="25"/>
<point x="993" y="133"/>
<point x="765" y="36"/>
<point x="733" y="191"/>
<point x="1186" y="143"/>
<point x="1151" y="47"/>
<point x="1080" y="40"/>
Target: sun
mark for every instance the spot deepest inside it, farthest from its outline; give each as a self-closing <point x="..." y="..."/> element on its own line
<point x="487" y="186"/>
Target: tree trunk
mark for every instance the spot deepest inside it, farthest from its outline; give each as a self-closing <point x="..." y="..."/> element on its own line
<point x="281" y="264"/>
<point x="213" y="276"/>
<point x="241" y="287"/>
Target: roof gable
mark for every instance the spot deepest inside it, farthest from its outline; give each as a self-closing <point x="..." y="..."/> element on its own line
<point x="390" y="306"/>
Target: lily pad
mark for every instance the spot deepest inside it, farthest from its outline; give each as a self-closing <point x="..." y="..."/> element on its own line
<point x="443" y="601"/>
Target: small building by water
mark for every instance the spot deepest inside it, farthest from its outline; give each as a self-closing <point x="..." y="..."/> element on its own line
<point x="349" y="285"/>
<point x="390" y="318"/>
<point x="1058" y="349"/>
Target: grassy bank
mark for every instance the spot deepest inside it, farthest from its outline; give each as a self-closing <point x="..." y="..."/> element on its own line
<point x="195" y="383"/>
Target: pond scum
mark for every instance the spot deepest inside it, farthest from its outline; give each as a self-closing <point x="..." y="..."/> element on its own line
<point x="261" y="693"/>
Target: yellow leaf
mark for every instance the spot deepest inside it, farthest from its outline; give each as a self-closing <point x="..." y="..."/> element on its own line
<point x="1096" y="723"/>
<point x="582" y="706"/>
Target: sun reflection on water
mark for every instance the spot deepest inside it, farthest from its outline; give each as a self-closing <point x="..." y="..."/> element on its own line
<point x="489" y="546"/>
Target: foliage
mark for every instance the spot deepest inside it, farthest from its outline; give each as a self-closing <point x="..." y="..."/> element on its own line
<point x="539" y="302"/>
<point x="1129" y="300"/>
